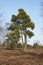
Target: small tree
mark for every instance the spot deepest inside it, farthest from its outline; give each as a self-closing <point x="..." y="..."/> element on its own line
<point x="21" y="22"/>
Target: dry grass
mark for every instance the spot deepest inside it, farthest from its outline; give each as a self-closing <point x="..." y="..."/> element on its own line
<point x="15" y="57"/>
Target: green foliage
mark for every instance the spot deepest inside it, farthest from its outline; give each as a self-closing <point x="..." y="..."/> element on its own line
<point x="20" y="23"/>
<point x="29" y="33"/>
<point x="13" y="18"/>
<point x="19" y="45"/>
<point x="30" y="25"/>
<point x="14" y="36"/>
<point x="13" y="27"/>
<point x="13" y="45"/>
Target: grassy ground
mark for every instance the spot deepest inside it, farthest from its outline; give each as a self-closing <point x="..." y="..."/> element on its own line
<point x="15" y="57"/>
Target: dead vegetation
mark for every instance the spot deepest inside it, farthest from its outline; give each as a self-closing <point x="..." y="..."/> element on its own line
<point x="15" y="57"/>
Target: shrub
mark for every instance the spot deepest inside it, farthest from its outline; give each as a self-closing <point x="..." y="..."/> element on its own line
<point x="13" y="45"/>
<point x="28" y="45"/>
<point x="36" y="45"/>
<point x="19" y="45"/>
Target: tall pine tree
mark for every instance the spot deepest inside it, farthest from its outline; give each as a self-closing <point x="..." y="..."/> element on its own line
<point x="20" y="26"/>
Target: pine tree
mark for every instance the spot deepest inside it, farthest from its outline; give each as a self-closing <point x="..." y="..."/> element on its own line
<point x="21" y="24"/>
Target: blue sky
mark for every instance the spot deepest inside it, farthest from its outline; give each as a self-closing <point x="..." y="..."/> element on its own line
<point x="32" y="7"/>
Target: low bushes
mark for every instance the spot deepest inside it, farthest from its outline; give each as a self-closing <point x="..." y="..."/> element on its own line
<point x="15" y="45"/>
<point x="36" y="45"/>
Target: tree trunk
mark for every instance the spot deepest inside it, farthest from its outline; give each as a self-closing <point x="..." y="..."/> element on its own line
<point x="22" y="36"/>
<point x="25" y="44"/>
